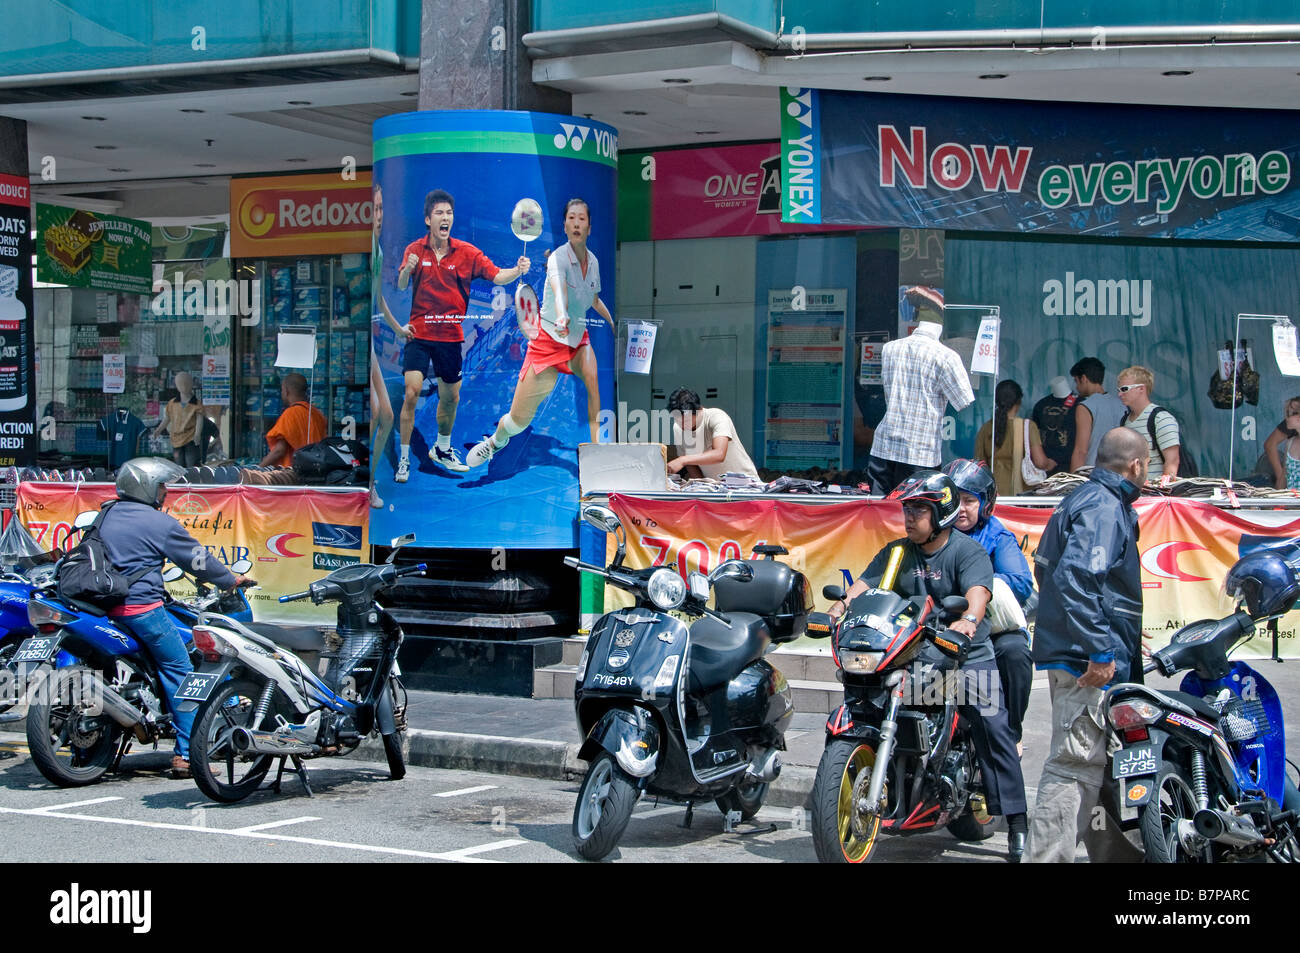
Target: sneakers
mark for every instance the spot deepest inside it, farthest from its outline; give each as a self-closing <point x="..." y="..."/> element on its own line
<point x="375" y="502"/>
<point x="447" y="459"/>
<point x="403" y="471"/>
<point x="482" y="452"/>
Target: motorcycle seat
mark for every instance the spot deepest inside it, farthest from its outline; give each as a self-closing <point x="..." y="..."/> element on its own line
<point x="719" y="652"/>
<point x="1202" y="708"/>
<point x="296" y="638"/>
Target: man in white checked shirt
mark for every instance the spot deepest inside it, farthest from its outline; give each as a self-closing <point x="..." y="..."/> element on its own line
<point x="921" y="377"/>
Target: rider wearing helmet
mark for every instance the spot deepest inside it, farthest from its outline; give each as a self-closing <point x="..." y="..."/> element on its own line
<point x="940" y="561"/>
<point x="1011" y="642"/>
<point x="137" y="535"/>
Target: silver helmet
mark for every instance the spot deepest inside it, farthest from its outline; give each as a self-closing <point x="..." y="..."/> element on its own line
<point x="144" y="479"/>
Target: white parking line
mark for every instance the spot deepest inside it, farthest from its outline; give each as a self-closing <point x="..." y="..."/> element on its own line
<point x="655" y="812"/>
<point x="462" y="855"/>
<point x="456" y="793"/>
<point x="270" y="824"/>
<point x="64" y="807"/>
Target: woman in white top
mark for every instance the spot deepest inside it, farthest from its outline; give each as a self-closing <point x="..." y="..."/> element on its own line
<point x="563" y="345"/>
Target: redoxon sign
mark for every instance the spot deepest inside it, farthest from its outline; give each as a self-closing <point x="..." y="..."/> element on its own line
<point x="300" y="215"/>
<point x="1105" y="297"/>
<point x="997" y="165"/>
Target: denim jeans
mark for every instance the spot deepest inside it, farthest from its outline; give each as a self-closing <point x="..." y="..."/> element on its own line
<point x="158" y="632"/>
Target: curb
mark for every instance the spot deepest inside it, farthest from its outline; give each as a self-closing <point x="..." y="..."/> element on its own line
<point x="540" y="758"/>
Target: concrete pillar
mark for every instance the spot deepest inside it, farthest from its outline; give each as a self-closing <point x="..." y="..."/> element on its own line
<point x="472" y="57"/>
<point x="13" y="146"/>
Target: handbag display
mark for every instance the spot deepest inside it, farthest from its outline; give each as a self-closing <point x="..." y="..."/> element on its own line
<point x="1030" y="474"/>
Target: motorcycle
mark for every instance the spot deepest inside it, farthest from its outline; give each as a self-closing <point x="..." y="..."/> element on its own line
<point x="94" y="687"/>
<point x="16" y="588"/>
<point x="685" y="713"/>
<point x="1203" y="769"/>
<point x="899" y="757"/>
<point x="257" y="700"/>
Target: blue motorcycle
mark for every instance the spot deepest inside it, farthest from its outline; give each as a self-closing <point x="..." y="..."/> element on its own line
<point x="93" y="687"/>
<point x="1204" y="769"/>
<point x="16" y="588"/>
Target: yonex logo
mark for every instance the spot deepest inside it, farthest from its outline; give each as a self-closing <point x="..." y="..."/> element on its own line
<point x="574" y="136"/>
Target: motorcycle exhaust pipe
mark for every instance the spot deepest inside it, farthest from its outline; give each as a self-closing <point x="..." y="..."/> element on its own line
<point x="268" y="742"/>
<point x="1224" y="828"/>
<point x="124" y="713"/>
<point x="767" y="769"/>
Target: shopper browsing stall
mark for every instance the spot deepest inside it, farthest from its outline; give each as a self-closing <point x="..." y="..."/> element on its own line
<point x="1146" y="418"/>
<point x="442" y="270"/>
<point x="1054" y="416"/>
<point x="1281" y="451"/>
<point x="1015" y="438"/>
<point x="1095" y="414"/>
<point x="299" y="425"/>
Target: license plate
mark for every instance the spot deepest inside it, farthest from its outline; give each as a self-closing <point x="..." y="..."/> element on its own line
<point x="197" y="687"/>
<point x="36" y="650"/>
<point x="1131" y="762"/>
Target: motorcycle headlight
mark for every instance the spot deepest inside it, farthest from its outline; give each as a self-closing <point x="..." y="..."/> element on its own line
<point x="666" y="589"/>
<point x="860" y="662"/>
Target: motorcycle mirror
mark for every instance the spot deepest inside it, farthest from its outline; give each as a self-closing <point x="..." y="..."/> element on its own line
<point x="602" y="518"/>
<point x="833" y="593"/>
<point x="241" y="566"/>
<point x="172" y="573"/>
<point x="397" y="542"/>
<point x="699" y="584"/>
<point x="732" y="569"/>
<point x="84" y="519"/>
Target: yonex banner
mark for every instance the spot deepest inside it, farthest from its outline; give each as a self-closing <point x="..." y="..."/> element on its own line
<point x="464" y="199"/>
<point x="1186" y="548"/>
<point x="1065" y="168"/>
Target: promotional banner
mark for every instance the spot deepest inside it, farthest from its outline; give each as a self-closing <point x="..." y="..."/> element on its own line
<point x="1170" y="309"/>
<point x="1186" y="546"/>
<point x="292" y="536"/>
<point x="1049" y="167"/>
<point x="18" y="439"/>
<point x="323" y="214"/>
<point x="89" y="250"/>
<point x="465" y="196"/>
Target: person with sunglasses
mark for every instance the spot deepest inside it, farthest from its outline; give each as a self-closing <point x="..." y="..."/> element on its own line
<point x="1135" y="384"/>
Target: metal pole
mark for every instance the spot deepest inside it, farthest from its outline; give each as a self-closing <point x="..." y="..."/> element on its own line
<point x="995" y="311"/>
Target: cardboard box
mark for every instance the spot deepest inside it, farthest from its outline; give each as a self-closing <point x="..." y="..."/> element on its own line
<point x="617" y="467"/>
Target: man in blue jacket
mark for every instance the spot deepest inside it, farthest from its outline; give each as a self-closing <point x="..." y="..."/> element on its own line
<point x="1088" y="635"/>
<point x="138" y="535"/>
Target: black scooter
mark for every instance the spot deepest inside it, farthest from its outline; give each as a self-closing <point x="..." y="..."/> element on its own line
<point x="683" y="713"/>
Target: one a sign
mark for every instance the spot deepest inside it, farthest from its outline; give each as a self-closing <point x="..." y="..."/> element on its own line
<point x="88" y="250"/>
<point x="1025" y="167"/>
<point x="984" y="359"/>
<point x="640" y="347"/>
<point x="300" y="215"/>
<point x="114" y="373"/>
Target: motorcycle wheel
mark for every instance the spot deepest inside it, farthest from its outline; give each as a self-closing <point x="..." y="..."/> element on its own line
<point x="834" y="836"/>
<point x="221" y="772"/>
<point x="70" y="748"/>
<point x="393" y="749"/>
<point x="7" y="650"/>
<point x="1174" y="800"/>
<point x="747" y="798"/>
<point x="975" y="823"/>
<point x="604" y="807"/>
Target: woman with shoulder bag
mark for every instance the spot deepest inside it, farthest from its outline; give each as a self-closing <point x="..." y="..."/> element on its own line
<point x="1018" y="459"/>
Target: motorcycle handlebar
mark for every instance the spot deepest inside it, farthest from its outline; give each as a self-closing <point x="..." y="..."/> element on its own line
<point x="417" y="569"/>
<point x="1150" y="667"/>
<point x="296" y="596"/>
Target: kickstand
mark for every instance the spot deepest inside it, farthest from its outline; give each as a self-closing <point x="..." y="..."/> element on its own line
<point x="690" y="815"/>
<point x="121" y="753"/>
<point x="299" y="769"/>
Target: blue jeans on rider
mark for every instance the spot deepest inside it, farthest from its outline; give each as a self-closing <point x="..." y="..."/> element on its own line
<point x="158" y="632"/>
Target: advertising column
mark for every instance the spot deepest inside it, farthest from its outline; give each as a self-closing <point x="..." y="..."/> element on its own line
<point x="17" y="352"/>
<point x="493" y="315"/>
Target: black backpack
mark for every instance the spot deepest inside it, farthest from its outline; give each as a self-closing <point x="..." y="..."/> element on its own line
<point x="87" y="575"/>
<point x="1186" y="465"/>
<point x="330" y="461"/>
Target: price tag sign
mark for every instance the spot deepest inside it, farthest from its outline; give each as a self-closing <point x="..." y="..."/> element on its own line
<point x="1284" y="349"/>
<point x="985" y="358"/>
<point x="640" y="347"/>
<point x="216" y="379"/>
<point x="871" y="367"/>
<point x="114" y="373"/>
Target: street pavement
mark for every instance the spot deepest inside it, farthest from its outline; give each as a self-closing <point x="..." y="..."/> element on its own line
<point x="449" y="808"/>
